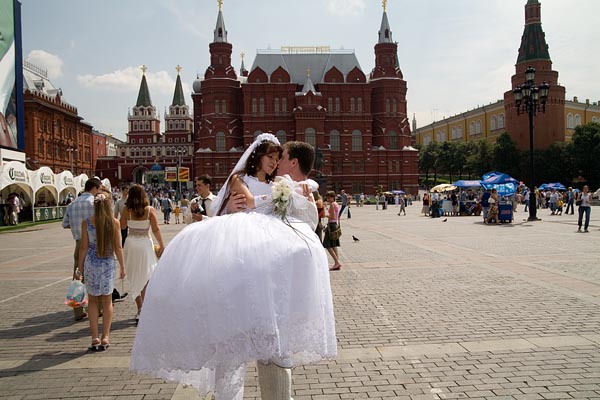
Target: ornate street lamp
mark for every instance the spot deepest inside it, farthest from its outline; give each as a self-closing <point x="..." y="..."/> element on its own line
<point x="71" y="150"/>
<point x="531" y="99"/>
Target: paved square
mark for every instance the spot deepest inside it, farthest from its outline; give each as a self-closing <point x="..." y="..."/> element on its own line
<point x="425" y="309"/>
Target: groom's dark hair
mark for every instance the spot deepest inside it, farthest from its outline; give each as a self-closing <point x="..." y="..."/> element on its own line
<point x="303" y="152"/>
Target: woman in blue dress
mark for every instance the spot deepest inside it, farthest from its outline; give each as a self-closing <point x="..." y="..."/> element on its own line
<point x="100" y="242"/>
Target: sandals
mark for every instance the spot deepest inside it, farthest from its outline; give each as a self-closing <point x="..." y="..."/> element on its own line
<point x="95" y="345"/>
<point x="104" y="344"/>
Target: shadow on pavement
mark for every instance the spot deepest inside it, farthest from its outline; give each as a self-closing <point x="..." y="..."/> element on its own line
<point x="41" y="361"/>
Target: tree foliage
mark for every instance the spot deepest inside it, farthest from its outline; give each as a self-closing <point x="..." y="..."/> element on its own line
<point x="570" y="163"/>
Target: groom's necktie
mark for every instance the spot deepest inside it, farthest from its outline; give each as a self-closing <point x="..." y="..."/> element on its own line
<point x="203" y="212"/>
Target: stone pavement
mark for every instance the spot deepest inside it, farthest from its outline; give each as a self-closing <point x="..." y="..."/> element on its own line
<point x="425" y="309"/>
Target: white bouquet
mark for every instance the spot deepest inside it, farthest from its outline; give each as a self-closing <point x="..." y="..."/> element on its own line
<point x="281" y="194"/>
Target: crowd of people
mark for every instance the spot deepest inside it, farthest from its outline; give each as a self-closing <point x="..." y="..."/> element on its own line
<point x="260" y="250"/>
<point x="275" y="324"/>
<point x="487" y="202"/>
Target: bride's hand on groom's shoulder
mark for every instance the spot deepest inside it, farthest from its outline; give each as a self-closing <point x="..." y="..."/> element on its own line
<point x="307" y="192"/>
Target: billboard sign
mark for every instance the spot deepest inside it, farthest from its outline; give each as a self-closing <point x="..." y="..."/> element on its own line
<point x="171" y="174"/>
<point x="11" y="76"/>
<point x="184" y="174"/>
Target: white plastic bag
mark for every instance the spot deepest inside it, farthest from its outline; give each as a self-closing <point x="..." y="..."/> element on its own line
<point x="76" y="294"/>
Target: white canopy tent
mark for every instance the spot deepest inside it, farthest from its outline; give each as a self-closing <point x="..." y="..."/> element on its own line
<point x="14" y="178"/>
<point x="45" y="193"/>
<point x="79" y="182"/>
<point x="65" y="184"/>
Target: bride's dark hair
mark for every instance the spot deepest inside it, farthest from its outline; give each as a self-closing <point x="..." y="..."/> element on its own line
<point x="253" y="163"/>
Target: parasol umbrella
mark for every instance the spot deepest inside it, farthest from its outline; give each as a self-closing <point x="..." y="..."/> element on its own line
<point x="467" y="183"/>
<point x="443" y="187"/>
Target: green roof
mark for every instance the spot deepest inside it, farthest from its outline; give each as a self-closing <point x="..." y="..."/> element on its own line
<point x="178" y="98"/>
<point x="144" y="94"/>
<point x="533" y="44"/>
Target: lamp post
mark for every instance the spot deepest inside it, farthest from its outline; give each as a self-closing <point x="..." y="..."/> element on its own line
<point x="71" y="150"/>
<point x="180" y="151"/>
<point x="531" y="99"/>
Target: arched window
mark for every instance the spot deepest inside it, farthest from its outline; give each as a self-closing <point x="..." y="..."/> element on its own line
<point x="256" y="133"/>
<point x="223" y="106"/>
<point x="501" y="121"/>
<point x="281" y="136"/>
<point x="352" y="104"/>
<point x="577" y="120"/>
<point x="394" y="106"/>
<point x="478" y="126"/>
<point x="261" y="106"/>
<point x="594" y="119"/>
<point x="453" y="132"/>
<point x="276" y="105"/>
<point x="357" y="144"/>
<point x="334" y="140"/>
<point x="387" y="106"/>
<point x="360" y="109"/>
<point x="472" y="128"/>
<point x="284" y="105"/>
<point x="337" y="105"/>
<point x="393" y="136"/>
<point x="570" y="123"/>
<point x="221" y="143"/>
<point x="330" y="104"/>
<point x="494" y="123"/>
<point x="254" y="106"/>
<point x="310" y="136"/>
<point x="135" y="125"/>
<point x="217" y="103"/>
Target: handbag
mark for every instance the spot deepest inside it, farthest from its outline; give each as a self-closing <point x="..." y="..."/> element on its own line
<point x="578" y="202"/>
<point x="76" y="294"/>
<point x="336" y="233"/>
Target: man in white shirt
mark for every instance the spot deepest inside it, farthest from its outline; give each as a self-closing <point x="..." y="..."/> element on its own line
<point x="201" y="205"/>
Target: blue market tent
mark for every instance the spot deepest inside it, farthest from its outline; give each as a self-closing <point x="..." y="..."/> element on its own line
<point x="467" y="183"/>
<point x="555" y="186"/>
<point x="398" y="192"/>
<point x="503" y="183"/>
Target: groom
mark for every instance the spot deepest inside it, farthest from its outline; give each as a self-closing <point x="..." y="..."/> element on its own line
<point x="275" y="374"/>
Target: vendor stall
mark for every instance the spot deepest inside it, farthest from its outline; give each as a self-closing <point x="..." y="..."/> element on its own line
<point x="15" y="181"/>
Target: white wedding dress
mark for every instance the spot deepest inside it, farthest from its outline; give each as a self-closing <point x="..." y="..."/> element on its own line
<point x="235" y="289"/>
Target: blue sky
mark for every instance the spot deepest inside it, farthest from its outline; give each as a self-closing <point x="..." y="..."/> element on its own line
<point x="455" y="55"/>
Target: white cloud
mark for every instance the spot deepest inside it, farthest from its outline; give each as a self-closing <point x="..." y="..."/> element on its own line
<point x="128" y="80"/>
<point x="50" y="62"/>
<point x="345" y="7"/>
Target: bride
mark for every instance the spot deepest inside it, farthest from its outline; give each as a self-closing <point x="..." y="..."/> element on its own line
<point x="242" y="287"/>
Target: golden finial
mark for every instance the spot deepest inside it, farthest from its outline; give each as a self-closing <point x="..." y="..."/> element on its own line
<point x="308" y="72"/>
<point x="143" y="68"/>
<point x="178" y="68"/>
<point x="384" y="3"/>
<point x="220" y="4"/>
<point x="242" y="54"/>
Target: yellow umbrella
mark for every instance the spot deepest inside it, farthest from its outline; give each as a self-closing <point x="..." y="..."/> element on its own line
<point x="443" y="187"/>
